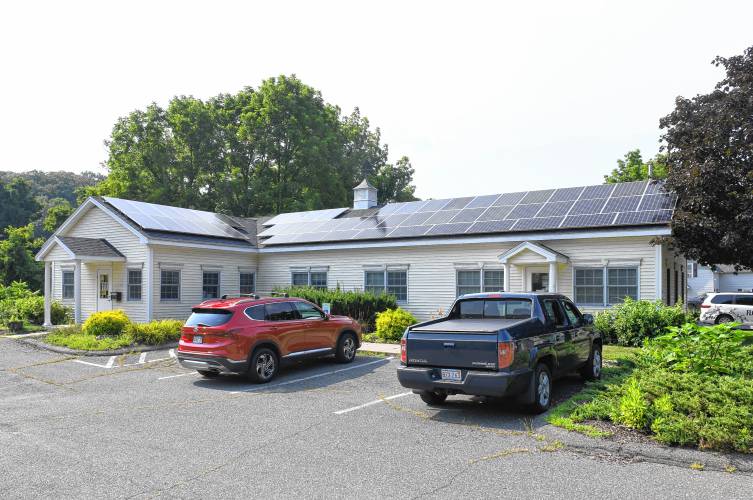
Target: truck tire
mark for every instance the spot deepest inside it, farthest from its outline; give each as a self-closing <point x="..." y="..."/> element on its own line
<point x="592" y="369"/>
<point x="542" y="389"/>
<point x="433" y="398"/>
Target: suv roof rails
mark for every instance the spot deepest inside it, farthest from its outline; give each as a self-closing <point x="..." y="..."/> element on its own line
<point x="280" y="294"/>
<point x="242" y="296"/>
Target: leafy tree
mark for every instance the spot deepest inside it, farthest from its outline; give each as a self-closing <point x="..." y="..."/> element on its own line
<point x="17" y="203"/>
<point x="633" y="168"/>
<point x="394" y="181"/>
<point x="17" y="257"/>
<point x="51" y="185"/>
<point x="709" y="144"/>
<point x="57" y="212"/>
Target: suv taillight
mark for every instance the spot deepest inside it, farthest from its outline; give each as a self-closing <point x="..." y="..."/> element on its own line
<point x="705" y="306"/>
<point x="403" y="351"/>
<point x="505" y="354"/>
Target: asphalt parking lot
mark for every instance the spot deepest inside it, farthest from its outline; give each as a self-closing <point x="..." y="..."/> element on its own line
<point x="140" y="426"/>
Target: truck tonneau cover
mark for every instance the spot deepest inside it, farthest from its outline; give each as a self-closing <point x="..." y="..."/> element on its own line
<point x="469" y="325"/>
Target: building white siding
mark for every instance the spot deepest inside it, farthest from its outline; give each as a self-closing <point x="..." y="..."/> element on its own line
<point x="704" y="282"/>
<point x="731" y="282"/>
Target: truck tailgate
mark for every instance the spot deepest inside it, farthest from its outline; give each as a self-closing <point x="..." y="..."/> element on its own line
<point x="452" y="350"/>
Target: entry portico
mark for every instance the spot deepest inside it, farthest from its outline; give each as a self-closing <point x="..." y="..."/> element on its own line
<point x="531" y="259"/>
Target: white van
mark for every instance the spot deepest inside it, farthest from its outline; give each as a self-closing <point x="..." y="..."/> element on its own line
<point x="727" y="307"/>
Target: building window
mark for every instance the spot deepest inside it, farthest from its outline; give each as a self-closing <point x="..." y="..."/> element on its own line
<point x="393" y="282"/>
<point x="314" y="279"/>
<point x="692" y="269"/>
<point x="247" y="283"/>
<point x="169" y="285"/>
<point x="476" y="281"/>
<point x="210" y="285"/>
<point x="605" y="286"/>
<point x="134" y="284"/>
<point x="68" y="285"/>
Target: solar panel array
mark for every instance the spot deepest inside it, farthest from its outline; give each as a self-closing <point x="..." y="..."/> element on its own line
<point x="642" y="202"/>
<point x="175" y="220"/>
<point x="310" y="216"/>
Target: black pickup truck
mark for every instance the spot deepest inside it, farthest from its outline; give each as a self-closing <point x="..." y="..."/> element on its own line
<point x="499" y="345"/>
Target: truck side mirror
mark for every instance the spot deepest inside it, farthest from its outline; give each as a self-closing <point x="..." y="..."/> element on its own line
<point x="588" y="319"/>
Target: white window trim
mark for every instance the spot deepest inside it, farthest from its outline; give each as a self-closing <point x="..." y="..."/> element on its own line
<point x="385" y="270"/>
<point x="180" y="284"/>
<point x="605" y="282"/>
<point x="308" y="271"/>
<point x="481" y="269"/>
<point x="63" y="271"/>
<point x="211" y="270"/>
<point x="129" y="268"/>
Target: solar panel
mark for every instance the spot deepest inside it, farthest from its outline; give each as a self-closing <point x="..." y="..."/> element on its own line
<point x="449" y="228"/>
<point x="370" y="234"/>
<point x="312" y="215"/>
<point x="566" y="194"/>
<point x="593" y="206"/>
<point x="655" y="187"/>
<point x="509" y="199"/>
<point x="491" y="226"/>
<point x="524" y="211"/>
<point x="442" y="217"/>
<point x="410" y="207"/>
<point x="588" y="220"/>
<point x="469" y="215"/>
<point x="622" y="204"/>
<point x="537" y="196"/>
<point x="629" y="188"/>
<point x="649" y="217"/>
<point x="483" y="201"/>
<point x="416" y="219"/>
<point x="173" y="219"/>
<point x="392" y="220"/>
<point x="537" y="223"/>
<point x="408" y="231"/>
<point x="601" y="191"/>
<point x="556" y="208"/>
<point x="458" y="203"/>
<point x="496" y="213"/>
<point x="657" y="202"/>
<point x="434" y="205"/>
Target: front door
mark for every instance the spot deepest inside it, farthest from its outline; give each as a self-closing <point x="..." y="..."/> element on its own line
<point x="538" y="279"/>
<point x="103" y="291"/>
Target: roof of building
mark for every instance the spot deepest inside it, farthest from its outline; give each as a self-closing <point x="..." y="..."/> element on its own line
<point x="364" y="185"/>
<point x="90" y="247"/>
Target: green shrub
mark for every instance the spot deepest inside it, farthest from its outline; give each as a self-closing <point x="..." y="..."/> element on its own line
<point x="633" y="321"/>
<point x="16" y="290"/>
<point x="75" y="338"/>
<point x="156" y="332"/>
<point x="391" y="324"/>
<point x="359" y="305"/>
<point x="106" y="323"/>
<point x="31" y="309"/>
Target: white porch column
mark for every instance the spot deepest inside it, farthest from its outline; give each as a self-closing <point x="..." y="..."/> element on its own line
<point x="47" y="294"/>
<point x="77" y="293"/>
<point x="553" y="277"/>
<point x="149" y="283"/>
<point x="506" y="276"/>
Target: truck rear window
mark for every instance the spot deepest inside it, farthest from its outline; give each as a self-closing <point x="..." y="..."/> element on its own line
<point x="492" y="309"/>
<point x="209" y="317"/>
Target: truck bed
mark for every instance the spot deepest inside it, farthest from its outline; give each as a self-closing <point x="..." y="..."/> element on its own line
<point x="468" y="325"/>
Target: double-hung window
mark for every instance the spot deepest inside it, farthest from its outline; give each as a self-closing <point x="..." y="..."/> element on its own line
<point x="312" y="278"/>
<point x="478" y="280"/>
<point x="68" y="285"/>
<point x="605" y="286"/>
<point x="134" y="284"/>
<point x="169" y="288"/>
<point x="390" y="281"/>
<point x="210" y="285"/>
<point x="247" y="283"/>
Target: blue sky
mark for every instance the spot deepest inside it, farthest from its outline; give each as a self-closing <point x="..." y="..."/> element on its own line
<point x="484" y="97"/>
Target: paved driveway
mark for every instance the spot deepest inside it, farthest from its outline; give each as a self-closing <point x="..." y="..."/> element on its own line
<point x="143" y="427"/>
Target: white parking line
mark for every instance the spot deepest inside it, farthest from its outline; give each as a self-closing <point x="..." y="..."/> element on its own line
<point x="90" y="363"/>
<point x="110" y="362"/>
<point x="172" y="353"/>
<point x="142" y="358"/>
<point x="371" y="403"/>
<point x="181" y="375"/>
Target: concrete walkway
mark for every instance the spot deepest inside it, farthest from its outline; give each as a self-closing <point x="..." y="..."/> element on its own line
<point x="384" y="348"/>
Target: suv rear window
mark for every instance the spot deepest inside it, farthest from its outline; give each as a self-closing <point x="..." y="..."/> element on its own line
<point x="723" y="299"/>
<point x="492" y="309"/>
<point x="209" y="317"/>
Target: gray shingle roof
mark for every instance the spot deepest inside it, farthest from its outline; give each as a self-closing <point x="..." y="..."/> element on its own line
<point x="90" y="247"/>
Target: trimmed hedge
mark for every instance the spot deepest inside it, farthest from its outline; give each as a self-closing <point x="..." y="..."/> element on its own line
<point x="391" y="324"/>
<point x="156" y="332"/>
<point x="359" y="305"/>
<point x="634" y="321"/>
<point x="106" y="323"/>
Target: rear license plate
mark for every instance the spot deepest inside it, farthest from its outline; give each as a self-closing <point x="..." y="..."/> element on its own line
<point x="198" y="339"/>
<point x="450" y="375"/>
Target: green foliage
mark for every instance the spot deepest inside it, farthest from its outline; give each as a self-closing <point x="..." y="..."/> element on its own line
<point x="57" y="212"/>
<point x="49" y="186"/>
<point x="632" y="409"/>
<point x="106" y="323"/>
<point x="156" y="332"/>
<point x="17" y="202"/>
<point x="391" y="324"/>
<point x="75" y="338"/>
<point x="709" y="148"/>
<point x="17" y="257"/>
<point x="633" y="168"/>
<point x="359" y="305"/>
<point x="719" y="349"/>
<point x="633" y="321"/>
<point x="19" y="303"/>
<point x="277" y="148"/>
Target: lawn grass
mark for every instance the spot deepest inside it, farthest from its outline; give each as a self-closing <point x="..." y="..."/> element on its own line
<point x="74" y="338"/>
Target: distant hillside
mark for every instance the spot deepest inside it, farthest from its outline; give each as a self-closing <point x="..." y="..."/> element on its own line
<point x="51" y="185"/>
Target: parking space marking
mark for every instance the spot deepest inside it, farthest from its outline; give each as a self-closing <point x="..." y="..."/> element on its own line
<point x="142" y="358"/>
<point x="110" y="362"/>
<point x="172" y="353"/>
<point x="180" y="375"/>
<point x="372" y="403"/>
<point x="89" y="363"/>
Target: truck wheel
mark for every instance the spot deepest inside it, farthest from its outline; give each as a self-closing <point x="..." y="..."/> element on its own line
<point x="723" y="318"/>
<point x="208" y="374"/>
<point x="263" y="366"/>
<point x="433" y="397"/>
<point x="592" y="369"/>
<point x="542" y="389"/>
<point x="346" y="348"/>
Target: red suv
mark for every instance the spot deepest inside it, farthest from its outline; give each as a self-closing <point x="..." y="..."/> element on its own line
<point x="255" y="335"/>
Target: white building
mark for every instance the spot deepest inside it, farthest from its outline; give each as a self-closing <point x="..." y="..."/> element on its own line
<point x="702" y="279"/>
<point x="592" y="243"/>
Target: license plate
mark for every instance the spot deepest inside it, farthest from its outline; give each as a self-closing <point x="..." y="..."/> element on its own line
<point x="198" y="339"/>
<point x="450" y="375"/>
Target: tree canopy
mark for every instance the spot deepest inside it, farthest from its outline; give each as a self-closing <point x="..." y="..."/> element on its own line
<point x="709" y="145"/>
<point x="633" y="168"/>
<point x="17" y="257"/>
<point x="274" y="149"/>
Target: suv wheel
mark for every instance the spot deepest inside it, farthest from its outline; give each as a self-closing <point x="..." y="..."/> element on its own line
<point x="263" y="367"/>
<point x="724" y="318"/>
<point x="346" y="348"/>
<point x="433" y="397"/>
<point x="592" y="369"/>
<point x="543" y="389"/>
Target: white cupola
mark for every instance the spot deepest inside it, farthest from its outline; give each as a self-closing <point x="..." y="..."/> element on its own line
<point x="364" y="196"/>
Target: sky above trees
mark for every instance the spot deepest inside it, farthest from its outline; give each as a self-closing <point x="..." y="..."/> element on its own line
<point x="482" y="97"/>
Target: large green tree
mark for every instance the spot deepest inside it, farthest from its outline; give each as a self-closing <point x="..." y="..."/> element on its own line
<point x="17" y="257"/>
<point x="278" y="148"/>
<point x="709" y="143"/>
<point x="633" y="168"/>
<point x="17" y="203"/>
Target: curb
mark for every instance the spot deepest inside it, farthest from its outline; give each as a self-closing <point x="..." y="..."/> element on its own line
<point x="653" y="453"/>
<point x="113" y="352"/>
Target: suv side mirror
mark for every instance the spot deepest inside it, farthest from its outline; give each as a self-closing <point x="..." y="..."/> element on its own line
<point x="327" y="316"/>
<point x="588" y="319"/>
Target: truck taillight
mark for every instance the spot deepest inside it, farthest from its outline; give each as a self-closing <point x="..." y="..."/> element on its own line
<point x="505" y="354"/>
<point x="403" y="351"/>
